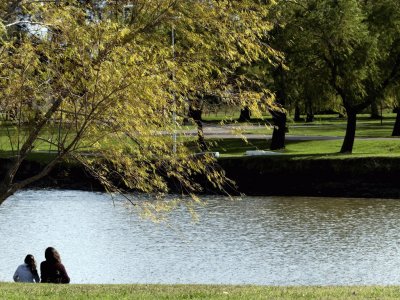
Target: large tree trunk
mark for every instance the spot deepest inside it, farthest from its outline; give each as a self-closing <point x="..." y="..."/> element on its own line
<point x="279" y="116"/>
<point x="310" y="112"/>
<point x="375" y="114"/>
<point x="245" y="114"/>
<point x="195" y="114"/>
<point x="396" y="128"/>
<point x="7" y="184"/>
<point x="347" y="146"/>
<point x="278" y="135"/>
<point x="5" y="192"/>
<point x="297" y="114"/>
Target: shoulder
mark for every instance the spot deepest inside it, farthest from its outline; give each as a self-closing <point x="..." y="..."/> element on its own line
<point x="59" y="266"/>
<point x="43" y="264"/>
<point x="23" y="266"/>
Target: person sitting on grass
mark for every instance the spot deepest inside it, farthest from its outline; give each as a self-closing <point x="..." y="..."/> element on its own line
<point x="27" y="272"/>
<point x="52" y="270"/>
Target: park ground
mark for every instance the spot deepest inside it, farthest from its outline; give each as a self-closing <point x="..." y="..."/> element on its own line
<point x="323" y="137"/>
<point x="310" y="165"/>
<point x="45" y="291"/>
<point x="307" y="145"/>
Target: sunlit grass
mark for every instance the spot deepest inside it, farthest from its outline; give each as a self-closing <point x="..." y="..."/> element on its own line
<point x="238" y="147"/>
<point x="146" y="292"/>
<point x="324" y="125"/>
<point x="366" y="127"/>
<point x="338" y="130"/>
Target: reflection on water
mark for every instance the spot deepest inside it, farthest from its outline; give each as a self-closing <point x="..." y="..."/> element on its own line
<point x="258" y="240"/>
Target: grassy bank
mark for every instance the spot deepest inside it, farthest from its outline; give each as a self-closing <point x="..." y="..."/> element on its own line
<point x="365" y="174"/>
<point x="328" y="126"/>
<point x="305" y="167"/>
<point x="44" y="291"/>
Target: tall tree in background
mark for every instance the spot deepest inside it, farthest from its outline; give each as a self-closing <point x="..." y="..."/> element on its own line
<point x="224" y="79"/>
<point x="354" y="45"/>
<point x="298" y="78"/>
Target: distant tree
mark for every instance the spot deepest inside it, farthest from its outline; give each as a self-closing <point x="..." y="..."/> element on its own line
<point x="396" y="127"/>
<point x="297" y="78"/>
<point x="353" y="46"/>
<point x="375" y="114"/>
<point x="392" y="100"/>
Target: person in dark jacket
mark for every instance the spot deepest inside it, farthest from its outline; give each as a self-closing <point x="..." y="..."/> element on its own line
<point x="52" y="270"/>
<point x="27" y="272"/>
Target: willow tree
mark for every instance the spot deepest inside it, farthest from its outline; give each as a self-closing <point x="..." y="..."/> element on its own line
<point x="96" y="82"/>
<point x="223" y="78"/>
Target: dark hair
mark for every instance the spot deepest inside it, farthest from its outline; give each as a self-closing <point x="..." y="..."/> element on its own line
<point x="52" y="255"/>
<point x="30" y="261"/>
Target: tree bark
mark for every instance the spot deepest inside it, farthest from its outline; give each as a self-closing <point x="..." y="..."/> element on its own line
<point x="310" y="112"/>
<point x="278" y="135"/>
<point x="195" y="114"/>
<point x="348" y="142"/>
<point x="396" y="128"/>
<point x="5" y="192"/>
<point x="245" y="114"/>
<point x="297" y="114"/>
<point x="375" y="114"/>
<point x="279" y="116"/>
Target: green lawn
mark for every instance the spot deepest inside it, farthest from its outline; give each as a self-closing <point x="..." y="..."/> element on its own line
<point x="331" y="130"/>
<point x="238" y="147"/>
<point x="144" y="292"/>
<point x="324" y="125"/>
<point x="333" y="126"/>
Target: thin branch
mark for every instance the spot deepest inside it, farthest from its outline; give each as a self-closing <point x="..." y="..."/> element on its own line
<point x="28" y="22"/>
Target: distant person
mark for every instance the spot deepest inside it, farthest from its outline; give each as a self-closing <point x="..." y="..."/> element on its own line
<point x="27" y="272"/>
<point x="52" y="270"/>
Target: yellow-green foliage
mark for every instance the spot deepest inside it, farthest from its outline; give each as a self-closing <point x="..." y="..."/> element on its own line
<point x="104" y="78"/>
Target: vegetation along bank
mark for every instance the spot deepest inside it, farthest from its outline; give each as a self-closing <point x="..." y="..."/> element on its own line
<point x="371" y="176"/>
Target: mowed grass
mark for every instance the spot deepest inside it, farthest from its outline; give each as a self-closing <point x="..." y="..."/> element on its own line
<point x="305" y="149"/>
<point x="144" y="292"/>
<point x="324" y="126"/>
<point x="333" y="126"/>
<point x="338" y="130"/>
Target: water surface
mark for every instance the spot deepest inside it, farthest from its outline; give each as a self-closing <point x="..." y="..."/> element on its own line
<point x="256" y="240"/>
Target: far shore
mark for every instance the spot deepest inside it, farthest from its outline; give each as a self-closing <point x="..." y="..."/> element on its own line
<point x="360" y="177"/>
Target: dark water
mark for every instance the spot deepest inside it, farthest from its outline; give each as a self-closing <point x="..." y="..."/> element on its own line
<point x="258" y="240"/>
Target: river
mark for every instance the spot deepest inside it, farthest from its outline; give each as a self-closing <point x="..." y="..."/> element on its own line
<point x="253" y="240"/>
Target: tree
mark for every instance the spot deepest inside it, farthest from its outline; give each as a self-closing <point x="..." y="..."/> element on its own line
<point x="396" y="127"/>
<point x="226" y="79"/>
<point x="94" y="84"/>
<point x="354" y="44"/>
<point x="391" y="99"/>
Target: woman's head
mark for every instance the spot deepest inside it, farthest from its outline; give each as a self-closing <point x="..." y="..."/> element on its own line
<point x="52" y="255"/>
<point x="30" y="261"/>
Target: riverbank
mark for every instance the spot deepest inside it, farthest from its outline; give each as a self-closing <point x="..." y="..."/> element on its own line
<point x="327" y="176"/>
<point x="44" y="291"/>
<point x="277" y="175"/>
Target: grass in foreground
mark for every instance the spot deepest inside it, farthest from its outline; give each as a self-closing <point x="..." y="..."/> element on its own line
<point x="45" y="291"/>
